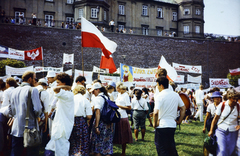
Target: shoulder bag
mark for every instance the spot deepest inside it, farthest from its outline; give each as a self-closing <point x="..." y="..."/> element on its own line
<point x="31" y="137"/>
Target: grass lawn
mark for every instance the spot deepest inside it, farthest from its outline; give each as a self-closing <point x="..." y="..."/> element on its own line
<point x="189" y="142"/>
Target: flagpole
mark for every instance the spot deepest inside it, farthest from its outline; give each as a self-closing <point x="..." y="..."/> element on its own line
<point x="82" y="62"/>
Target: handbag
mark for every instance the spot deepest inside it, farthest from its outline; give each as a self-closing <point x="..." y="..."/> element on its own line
<point x="210" y="144"/>
<point x="31" y="137"/>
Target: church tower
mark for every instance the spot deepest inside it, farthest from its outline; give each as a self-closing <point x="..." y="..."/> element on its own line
<point x="190" y="18"/>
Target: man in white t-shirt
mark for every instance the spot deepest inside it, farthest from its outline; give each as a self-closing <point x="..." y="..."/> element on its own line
<point x="199" y="97"/>
<point x="164" y="117"/>
<point x="112" y="24"/>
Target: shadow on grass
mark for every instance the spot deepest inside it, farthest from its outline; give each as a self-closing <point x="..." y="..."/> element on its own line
<point x="188" y="145"/>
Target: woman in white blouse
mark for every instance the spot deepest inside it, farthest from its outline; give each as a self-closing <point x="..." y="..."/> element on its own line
<point x="79" y="140"/>
<point x="102" y="133"/>
<point x="140" y="108"/>
<point x="226" y="119"/>
<point x="123" y="133"/>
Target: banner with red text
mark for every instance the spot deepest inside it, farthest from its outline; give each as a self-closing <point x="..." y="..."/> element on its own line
<point x="187" y="68"/>
<point x="179" y="79"/>
<point x="17" y="71"/>
<point x="46" y="69"/>
<point x="140" y="77"/>
<point x="197" y="79"/>
<point x="218" y="82"/>
<point x="106" y="79"/>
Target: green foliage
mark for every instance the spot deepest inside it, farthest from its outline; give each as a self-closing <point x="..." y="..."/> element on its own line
<point x="233" y="80"/>
<point x="10" y="62"/>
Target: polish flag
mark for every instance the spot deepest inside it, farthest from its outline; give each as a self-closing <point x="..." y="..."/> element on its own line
<point x="92" y="37"/>
<point x="108" y="63"/>
<point x="234" y="72"/>
<point x="171" y="72"/>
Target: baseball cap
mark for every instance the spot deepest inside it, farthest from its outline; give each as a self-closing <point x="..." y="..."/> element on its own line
<point x="112" y="84"/>
<point x="96" y="85"/>
<point x="51" y="74"/>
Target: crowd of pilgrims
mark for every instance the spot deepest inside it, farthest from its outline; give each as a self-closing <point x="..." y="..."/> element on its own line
<point x="68" y="126"/>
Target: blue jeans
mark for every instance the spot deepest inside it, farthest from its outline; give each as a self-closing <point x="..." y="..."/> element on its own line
<point x="164" y="141"/>
<point x="17" y="148"/>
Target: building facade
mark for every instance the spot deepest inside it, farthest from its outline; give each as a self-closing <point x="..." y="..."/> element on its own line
<point x="182" y="18"/>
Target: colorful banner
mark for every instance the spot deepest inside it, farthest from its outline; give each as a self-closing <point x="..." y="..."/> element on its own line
<point x="218" y="82"/>
<point x="234" y="71"/>
<point x="187" y="68"/>
<point x="197" y="79"/>
<point x="106" y="79"/>
<point x="46" y="69"/>
<point x="140" y="77"/>
<point x="17" y="71"/>
<point x="68" y="58"/>
<point x="35" y="54"/>
<point x="179" y="79"/>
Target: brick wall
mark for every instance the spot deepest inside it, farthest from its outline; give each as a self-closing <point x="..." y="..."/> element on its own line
<point x="216" y="57"/>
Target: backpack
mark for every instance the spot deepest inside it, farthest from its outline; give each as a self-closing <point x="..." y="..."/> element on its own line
<point x="109" y="113"/>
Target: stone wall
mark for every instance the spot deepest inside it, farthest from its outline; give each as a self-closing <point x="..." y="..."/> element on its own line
<point x="216" y="57"/>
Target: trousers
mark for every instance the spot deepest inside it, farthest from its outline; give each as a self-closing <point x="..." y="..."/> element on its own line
<point x="200" y="111"/>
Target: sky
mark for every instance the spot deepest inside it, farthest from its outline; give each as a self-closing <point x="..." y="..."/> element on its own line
<point x="222" y="17"/>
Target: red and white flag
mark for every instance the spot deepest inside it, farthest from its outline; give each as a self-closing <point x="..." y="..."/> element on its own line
<point x="35" y="54"/>
<point x="171" y="72"/>
<point x="92" y="37"/>
<point x="108" y="63"/>
<point x="234" y="71"/>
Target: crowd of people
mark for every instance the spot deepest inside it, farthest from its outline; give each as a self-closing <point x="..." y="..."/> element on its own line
<point x="69" y="116"/>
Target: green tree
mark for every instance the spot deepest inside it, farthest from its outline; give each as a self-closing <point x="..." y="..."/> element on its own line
<point x="233" y="80"/>
<point x="11" y="63"/>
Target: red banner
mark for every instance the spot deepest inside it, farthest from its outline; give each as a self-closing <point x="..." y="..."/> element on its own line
<point x="35" y="54"/>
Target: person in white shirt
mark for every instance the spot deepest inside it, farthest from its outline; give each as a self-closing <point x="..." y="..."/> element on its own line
<point x="11" y="83"/>
<point x="111" y="87"/>
<point x="226" y="119"/>
<point x="211" y="110"/>
<point x="199" y="97"/>
<point x="88" y="95"/>
<point x="102" y="133"/>
<point x="112" y="24"/>
<point x="140" y="109"/>
<point x="79" y="140"/>
<point x="164" y="117"/>
<point x="63" y="121"/>
<point x="52" y="100"/>
<point x="123" y="133"/>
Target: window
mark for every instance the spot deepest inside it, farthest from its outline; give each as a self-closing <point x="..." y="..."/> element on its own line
<point x="80" y="13"/>
<point x="145" y="10"/>
<point x="174" y="16"/>
<point x="186" y="29"/>
<point x="49" y="20"/>
<point x="198" y="12"/>
<point x="197" y="29"/>
<point x="120" y="27"/>
<point x="159" y="13"/>
<point x="105" y="15"/>
<point x="69" y="1"/>
<point x="145" y="30"/>
<point x="159" y="32"/>
<point x="94" y="12"/>
<point x="121" y="10"/>
<point x="70" y="19"/>
<point x="186" y="11"/>
<point x="50" y="0"/>
<point x="19" y="17"/>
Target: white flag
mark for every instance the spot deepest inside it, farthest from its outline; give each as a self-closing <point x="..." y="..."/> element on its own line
<point x="171" y="72"/>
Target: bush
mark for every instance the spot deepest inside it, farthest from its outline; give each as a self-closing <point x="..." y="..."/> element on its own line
<point x="233" y="80"/>
<point x="11" y="63"/>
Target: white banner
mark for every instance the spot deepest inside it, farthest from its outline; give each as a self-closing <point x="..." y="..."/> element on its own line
<point x="140" y="77"/>
<point x="16" y="54"/>
<point x="17" y="71"/>
<point x="87" y="75"/>
<point x="98" y="70"/>
<point x="179" y="79"/>
<point x="46" y="69"/>
<point x="187" y="68"/>
<point x="106" y="79"/>
<point x="197" y="79"/>
<point x="68" y="58"/>
<point x="189" y="86"/>
<point x="218" y="82"/>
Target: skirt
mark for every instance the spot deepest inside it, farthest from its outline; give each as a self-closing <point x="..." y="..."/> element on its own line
<point x="102" y="143"/>
<point x="123" y="133"/>
<point x="79" y="139"/>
